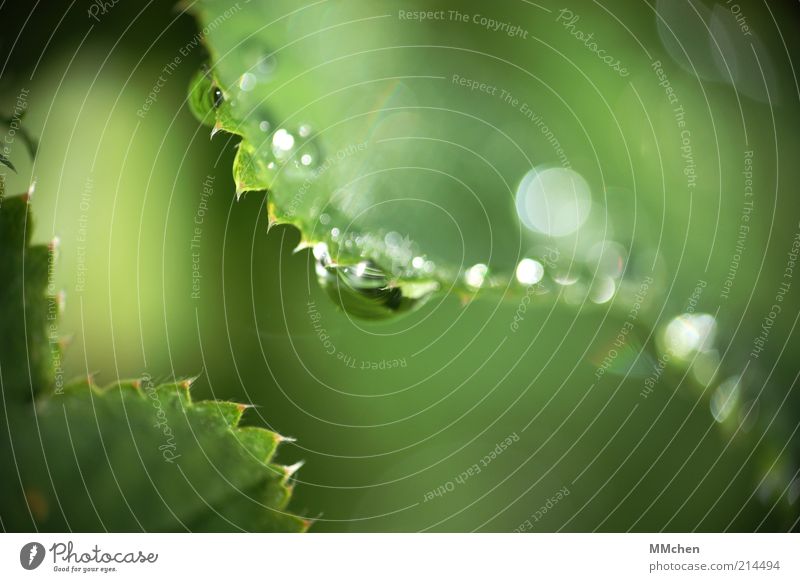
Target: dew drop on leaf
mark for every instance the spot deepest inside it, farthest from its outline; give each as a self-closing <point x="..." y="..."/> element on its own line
<point x="218" y="98"/>
<point x="529" y="272"/>
<point x="282" y="144"/>
<point x="476" y="275"/>
<point x="365" y="290"/>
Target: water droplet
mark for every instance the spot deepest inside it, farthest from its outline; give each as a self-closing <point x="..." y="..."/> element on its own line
<point x="266" y="65"/>
<point x="725" y="398"/>
<point x="247" y="82"/>
<point x="324" y="218"/>
<point x="282" y="144"/>
<point x="259" y="59"/>
<point x="565" y="278"/>
<point x="217" y="96"/>
<point x="365" y="290"/>
<point x="307" y="149"/>
<point x="320" y="252"/>
<point x="476" y="275"/>
<point x="418" y="262"/>
<point x="264" y="126"/>
<point x="529" y="272"/>
<point x="335" y="233"/>
<point x="393" y="239"/>
<point x="689" y="333"/>
<point x="603" y="290"/>
<point x="366" y="270"/>
<point x="553" y="201"/>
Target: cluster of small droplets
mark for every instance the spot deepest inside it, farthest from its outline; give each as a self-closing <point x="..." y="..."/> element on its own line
<point x="595" y="276"/>
<point x="296" y="146"/>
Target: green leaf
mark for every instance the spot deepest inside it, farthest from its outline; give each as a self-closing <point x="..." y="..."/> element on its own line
<point x="368" y="142"/>
<point x="30" y="350"/>
<point x="454" y="146"/>
<point x="133" y="456"/>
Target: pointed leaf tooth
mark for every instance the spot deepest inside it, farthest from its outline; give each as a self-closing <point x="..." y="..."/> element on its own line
<point x="271" y="220"/>
<point x="303" y="245"/>
<point x="294" y="468"/>
<point x="135" y="422"/>
<point x="177" y="391"/>
<point x="141" y="435"/>
<point x="243" y="407"/>
<point x="79" y="386"/>
<point x="276" y="492"/>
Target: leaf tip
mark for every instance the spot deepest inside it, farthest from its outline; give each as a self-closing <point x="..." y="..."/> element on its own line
<point x="243" y="407"/>
<point x="301" y="246"/>
<point x="290" y="470"/>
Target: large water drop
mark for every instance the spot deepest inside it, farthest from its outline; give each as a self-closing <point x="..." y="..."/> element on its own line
<point x="365" y="290"/>
<point x="529" y="272"/>
<point x="690" y="333"/>
<point x="554" y="201"/>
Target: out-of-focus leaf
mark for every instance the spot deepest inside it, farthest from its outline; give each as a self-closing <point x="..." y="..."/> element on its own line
<point x="29" y="343"/>
<point x="134" y="457"/>
<point x="129" y="457"/>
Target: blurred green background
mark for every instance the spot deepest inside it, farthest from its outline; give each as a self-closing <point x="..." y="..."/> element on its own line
<point x="125" y="195"/>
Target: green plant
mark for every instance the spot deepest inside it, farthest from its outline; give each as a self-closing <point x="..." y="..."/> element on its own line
<point x="127" y="457"/>
<point x="399" y="188"/>
<point x="373" y="157"/>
